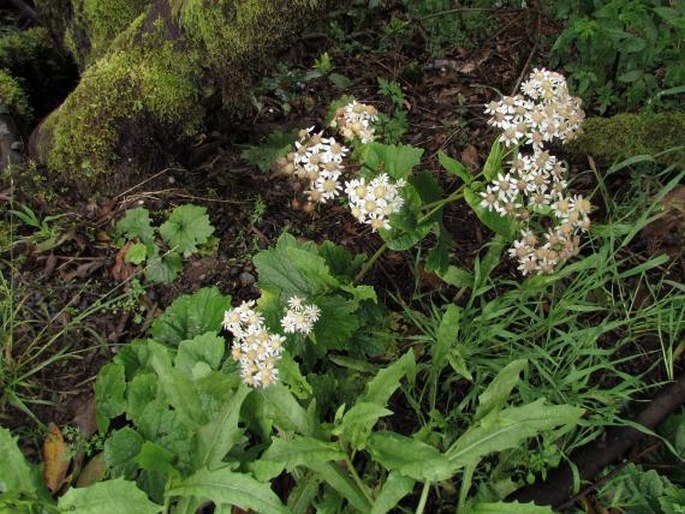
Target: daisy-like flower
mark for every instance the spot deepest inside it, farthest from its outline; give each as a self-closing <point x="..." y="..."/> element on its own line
<point x="354" y="120"/>
<point x="375" y="202"/>
<point x="299" y="318"/>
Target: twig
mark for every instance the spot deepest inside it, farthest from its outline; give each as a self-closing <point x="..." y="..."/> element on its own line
<point x="538" y="28"/>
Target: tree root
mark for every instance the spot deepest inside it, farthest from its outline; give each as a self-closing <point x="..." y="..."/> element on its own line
<point x="593" y="457"/>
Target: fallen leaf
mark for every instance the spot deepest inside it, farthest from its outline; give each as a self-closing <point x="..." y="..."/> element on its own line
<point x="93" y="471"/>
<point x="55" y="458"/>
<point x="122" y="269"/>
<point x="469" y="156"/>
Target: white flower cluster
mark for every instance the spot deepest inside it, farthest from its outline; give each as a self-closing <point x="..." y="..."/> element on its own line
<point x="544" y="112"/>
<point x="535" y="184"/>
<point x="254" y="347"/>
<point x="299" y="317"/>
<point x="354" y="120"/>
<point x="374" y="202"/>
<point x="318" y="160"/>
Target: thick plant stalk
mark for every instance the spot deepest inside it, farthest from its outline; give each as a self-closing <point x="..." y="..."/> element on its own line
<point x="593" y="457"/>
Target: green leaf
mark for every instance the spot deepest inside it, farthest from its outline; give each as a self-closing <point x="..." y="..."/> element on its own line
<point x="410" y="457"/>
<point x="630" y="76"/>
<point x="225" y="487"/>
<point x="632" y="45"/>
<point x="108" y="497"/>
<point x="455" y="167"/>
<point x="154" y="458"/>
<point x="187" y="227"/>
<point x="121" y="450"/>
<point x="15" y="472"/>
<point x="302" y="451"/>
<point x="381" y="387"/>
<point x="493" y="164"/>
<point x="448" y="333"/>
<point x="286" y="412"/>
<point x="509" y="428"/>
<point x="162" y="269"/>
<point x="264" y="156"/>
<point x="136" y="253"/>
<point x="340" y="261"/>
<point x="397" y="161"/>
<point x="394" y="489"/>
<point x="498" y="391"/>
<point x="502" y="225"/>
<point x="206" y="348"/>
<point x="339" y="480"/>
<point x="191" y="316"/>
<point x="109" y="394"/>
<point x="136" y="223"/>
<point x="358" y="422"/>
<point x="457" y="277"/>
<point x="215" y="439"/>
<point x="338" y="322"/>
<point x="438" y="259"/>
<point x="508" y="508"/>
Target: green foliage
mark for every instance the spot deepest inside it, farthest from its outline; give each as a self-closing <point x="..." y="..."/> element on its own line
<point x="186" y="227"/>
<point x="392" y="126"/>
<point x="620" y="53"/>
<point x="264" y="156"/>
<point x="14" y="97"/>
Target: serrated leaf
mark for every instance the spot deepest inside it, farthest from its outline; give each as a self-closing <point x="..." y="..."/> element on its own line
<point x="498" y="391"/>
<point x="190" y="316"/>
<point x="341" y="321"/>
<point x="264" y="156"/>
<point x="15" y="472"/>
<point x="396" y="161"/>
<point x="381" y="387"/>
<point x="455" y="167"/>
<point x="155" y="458"/>
<point x="187" y="227"/>
<point x="410" y="457"/>
<point x="394" y="489"/>
<point x="121" y="450"/>
<point x="136" y="254"/>
<point x="225" y="487"/>
<point x="340" y="261"/>
<point x="285" y="411"/>
<point x="206" y="348"/>
<point x="136" y="223"/>
<point x="358" y="422"/>
<point x="302" y="451"/>
<point x="109" y="394"/>
<point x="108" y="497"/>
<point x="509" y="428"/>
<point x="215" y="439"/>
<point x="163" y="269"/>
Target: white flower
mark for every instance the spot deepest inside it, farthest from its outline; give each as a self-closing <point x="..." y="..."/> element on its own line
<point x="299" y="318"/>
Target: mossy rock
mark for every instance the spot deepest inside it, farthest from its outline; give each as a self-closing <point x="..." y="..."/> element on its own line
<point x="610" y="140"/>
<point x="156" y="81"/>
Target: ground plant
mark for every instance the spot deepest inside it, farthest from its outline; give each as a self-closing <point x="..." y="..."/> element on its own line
<point x="432" y="314"/>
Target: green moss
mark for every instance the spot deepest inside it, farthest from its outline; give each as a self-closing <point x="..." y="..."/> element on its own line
<point x="96" y="23"/>
<point x="145" y="80"/>
<point x="609" y="140"/>
<point x="13" y="96"/>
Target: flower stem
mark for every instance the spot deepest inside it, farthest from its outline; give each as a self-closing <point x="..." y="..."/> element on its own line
<point x="368" y="264"/>
<point x="424" y="498"/>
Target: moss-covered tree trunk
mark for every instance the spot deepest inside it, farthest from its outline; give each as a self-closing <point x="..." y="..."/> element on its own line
<point x="152" y="69"/>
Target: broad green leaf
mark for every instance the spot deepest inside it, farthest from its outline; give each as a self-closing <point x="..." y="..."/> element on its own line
<point x="177" y="388"/>
<point x="438" y="259"/>
<point x="121" y="450"/>
<point x="493" y="164"/>
<point x="338" y="322"/>
<point x="286" y="412"/>
<point x="508" y="508"/>
<point x="405" y="240"/>
<point x="498" y="391"/>
<point x="302" y="496"/>
<point x="397" y="161"/>
<point x="291" y="376"/>
<point x="455" y="167"/>
<point x="108" y="497"/>
<point x="457" y="277"/>
<point x="394" y="489"/>
<point x="264" y="156"/>
<point x="162" y="269"/>
<point x="226" y="487"/>
<point x="190" y="316"/>
<point x="15" y="472"/>
<point x="301" y="451"/>
<point x="340" y="261"/>
<point x="216" y="439"/>
<point x="410" y="457"/>
<point x="187" y="227"/>
<point x="502" y="225"/>
<point x="338" y="479"/>
<point x="109" y="394"/>
<point x="630" y="76"/>
<point x="136" y="223"/>
<point x="206" y="348"/>
<point x="381" y="387"/>
<point x="358" y="422"/>
<point x="509" y="428"/>
<point x="154" y="458"/>
<point x="427" y="187"/>
<point x="361" y="293"/>
<point x="136" y="253"/>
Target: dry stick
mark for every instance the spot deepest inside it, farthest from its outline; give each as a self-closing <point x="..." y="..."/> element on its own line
<point x="593" y="457"/>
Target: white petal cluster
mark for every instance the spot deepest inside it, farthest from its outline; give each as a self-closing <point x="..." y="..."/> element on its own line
<point x="354" y="121"/>
<point x="254" y="347"/>
<point x="318" y="161"/>
<point x="535" y="185"/>
<point x="299" y="318"/>
<point x="543" y="112"/>
<point x="374" y="202"/>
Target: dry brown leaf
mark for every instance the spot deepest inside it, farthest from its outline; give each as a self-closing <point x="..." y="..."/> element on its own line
<point x="93" y="471"/>
<point x="122" y="269"/>
<point x="469" y="156"/>
<point x="55" y="458"/>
